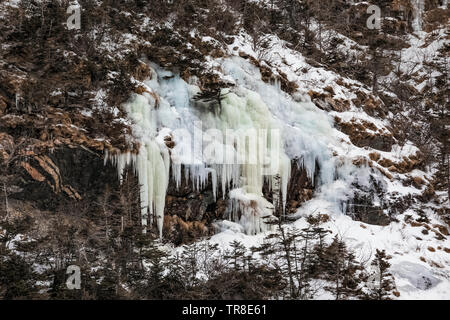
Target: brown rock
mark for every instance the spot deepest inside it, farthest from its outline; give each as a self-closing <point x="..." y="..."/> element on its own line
<point x="32" y="172"/>
<point x="6" y="146"/>
<point x="393" y="169"/>
<point x="442" y="229"/>
<point x="416" y="224"/>
<point x="418" y="182"/>
<point x="436" y="18"/>
<point x="169" y="142"/>
<point x="338" y="105"/>
<point x="140" y="90"/>
<point x="360" y="161"/>
<point x="365" y="134"/>
<point x="385" y="173"/>
<point x="71" y="192"/>
<point x="429" y="192"/>
<point x="180" y="231"/>
<point x="374" y="156"/>
<point x="385" y="163"/>
<point x="329" y="89"/>
<point x="143" y="72"/>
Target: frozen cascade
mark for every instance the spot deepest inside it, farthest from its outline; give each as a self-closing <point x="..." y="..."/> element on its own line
<point x="306" y="130"/>
<point x="419" y="7"/>
<point x="245" y="112"/>
<point x="210" y="145"/>
<point x="151" y="163"/>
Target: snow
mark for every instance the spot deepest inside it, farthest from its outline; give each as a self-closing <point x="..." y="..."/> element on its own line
<point x="253" y="208"/>
<point x="415" y="275"/>
<point x="414" y="278"/>
<point x="415" y="59"/>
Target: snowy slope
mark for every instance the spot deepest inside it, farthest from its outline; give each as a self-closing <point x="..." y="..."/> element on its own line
<point x="420" y="263"/>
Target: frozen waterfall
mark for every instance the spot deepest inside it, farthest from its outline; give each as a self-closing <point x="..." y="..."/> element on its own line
<point x="246" y="142"/>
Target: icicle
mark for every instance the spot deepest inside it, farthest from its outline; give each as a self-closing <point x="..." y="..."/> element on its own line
<point x="213" y="181"/>
<point x="151" y="163"/>
<point x="419" y="7"/>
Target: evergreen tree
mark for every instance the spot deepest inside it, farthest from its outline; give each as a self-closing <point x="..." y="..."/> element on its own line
<point x="17" y="277"/>
<point x="383" y="284"/>
<point x="190" y="266"/>
<point x="237" y="255"/>
<point x="341" y="269"/>
<point x="149" y="278"/>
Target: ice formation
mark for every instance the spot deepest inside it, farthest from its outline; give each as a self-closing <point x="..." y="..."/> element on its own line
<point x="152" y="163"/>
<point x="419" y="7"/>
<point x="248" y="140"/>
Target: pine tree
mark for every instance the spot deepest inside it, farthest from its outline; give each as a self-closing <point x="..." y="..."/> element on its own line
<point x="317" y="255"/>
<point x="383" y="282"/>
<point x="190" y="266"/>
<point x="303" y="263"/>
<point x="17" y="277"/>
<point x="237" y="255"/>
<point x="341" y="269"/>
<point x="439" y="117"/>
<point x="282" y="247"/>
<point x="154" y="282"/>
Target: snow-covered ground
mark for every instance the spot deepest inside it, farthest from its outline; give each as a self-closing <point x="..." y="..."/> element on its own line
<point x="420" y="267"/>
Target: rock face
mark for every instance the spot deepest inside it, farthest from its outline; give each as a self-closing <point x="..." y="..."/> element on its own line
<point x="189" y="213"/>
<point x="53" y="175"/>
<point x="50" y="179"/>
<point x="72" y="175"/>
<point x="366" y="134"/>
<point x="370" y="215"/>
<point x="300" y="188"/>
